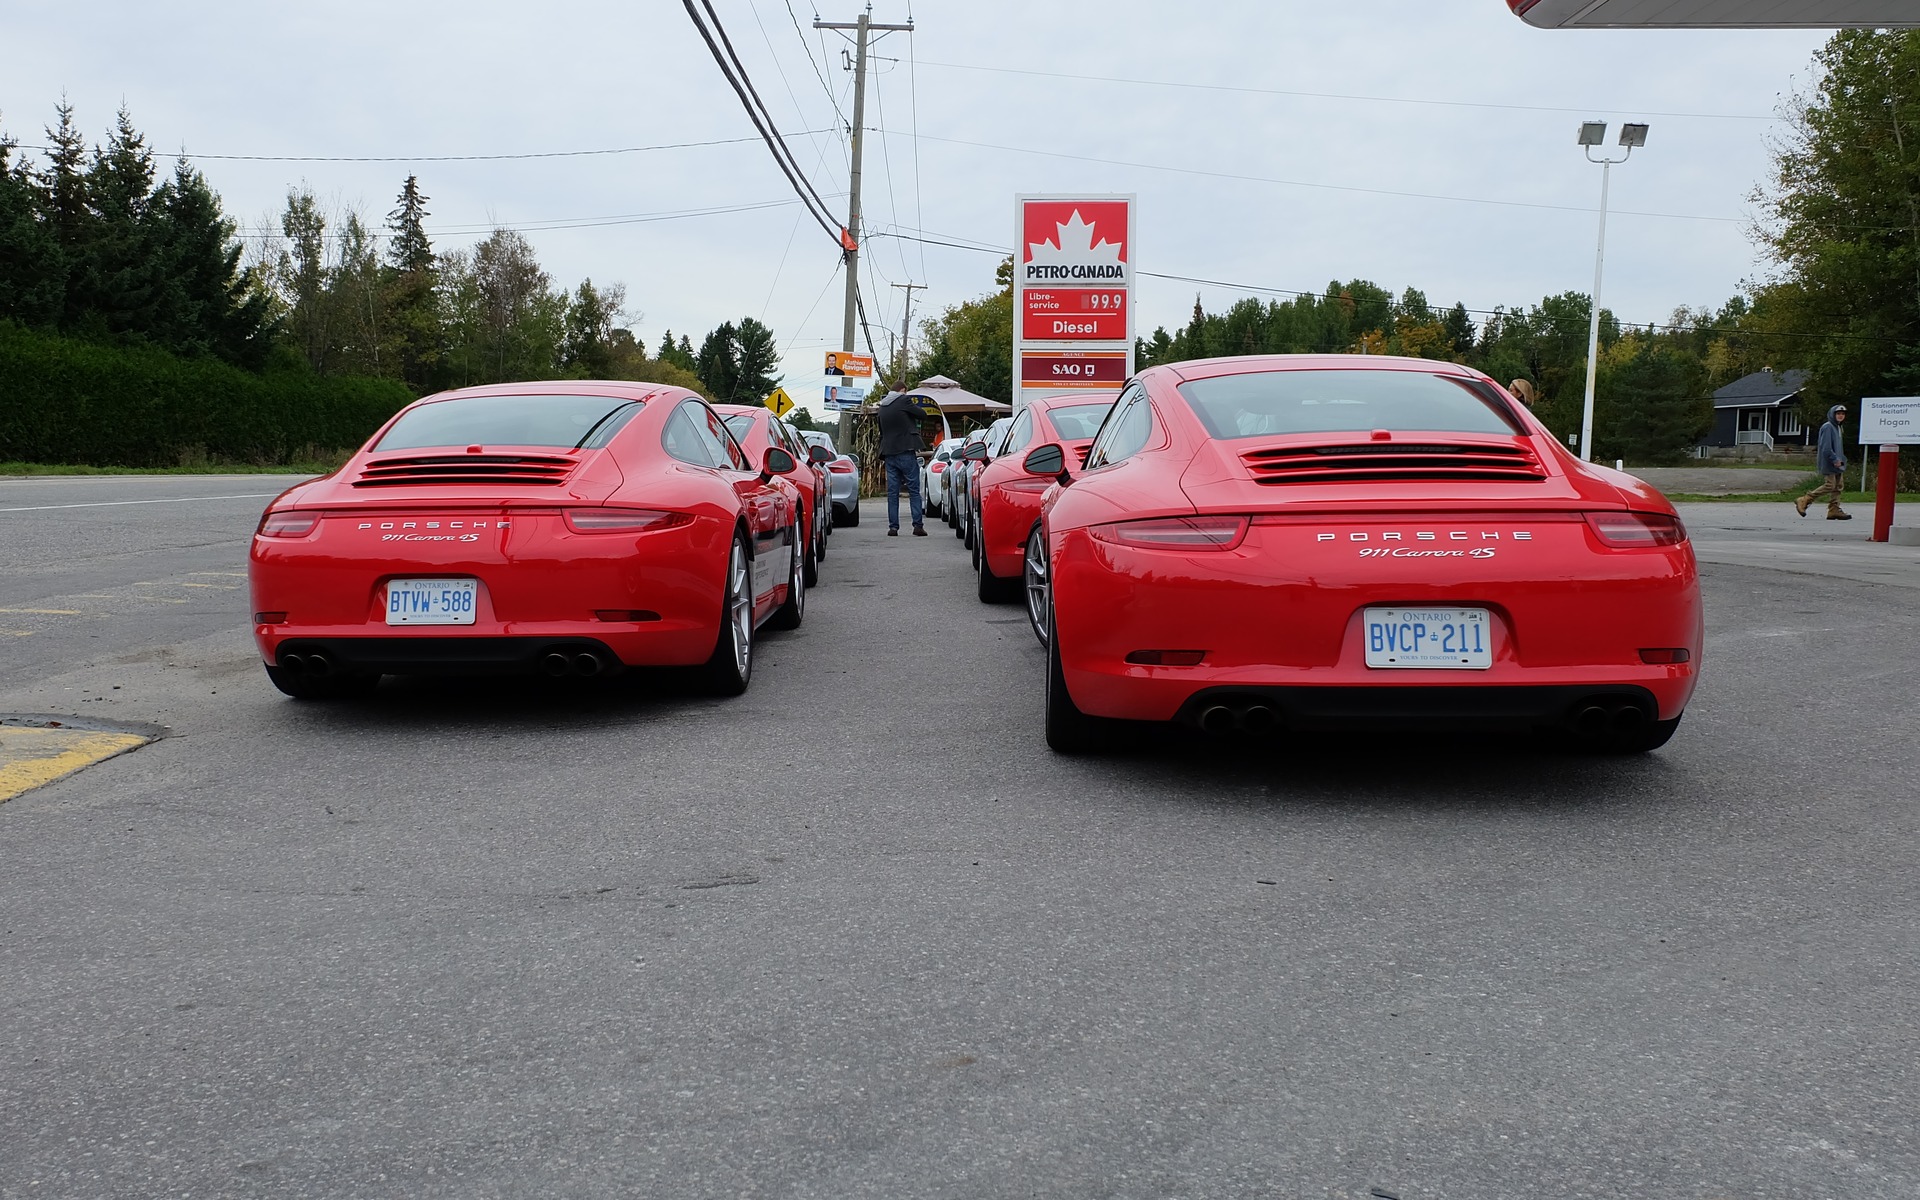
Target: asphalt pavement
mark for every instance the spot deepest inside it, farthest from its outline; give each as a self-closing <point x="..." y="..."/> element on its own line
<point x="859" y="934"/>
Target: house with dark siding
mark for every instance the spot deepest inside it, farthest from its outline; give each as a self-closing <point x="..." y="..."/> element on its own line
<point x="1760" y="412"/>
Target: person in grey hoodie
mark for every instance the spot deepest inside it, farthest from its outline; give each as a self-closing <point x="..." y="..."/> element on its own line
<point x="1830" y="458"/>
<point x="900" y="444"/>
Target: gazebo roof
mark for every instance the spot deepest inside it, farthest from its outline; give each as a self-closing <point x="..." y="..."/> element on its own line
<point x="950" y="397"/>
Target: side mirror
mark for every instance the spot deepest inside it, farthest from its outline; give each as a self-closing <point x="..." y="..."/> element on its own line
<point x="975" y="453"/>
<point x="776" y="462"/>
<point x="1050" y="459"/>
<point x="819" y="456"/>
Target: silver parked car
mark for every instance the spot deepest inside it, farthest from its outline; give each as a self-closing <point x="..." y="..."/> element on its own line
<point x="843" y="478"/>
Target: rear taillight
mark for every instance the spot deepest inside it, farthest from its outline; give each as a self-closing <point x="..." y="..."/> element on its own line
<point x="622" y="520"/>
<point x="1028" y="483"/>
<point x="1637" y="530"/>
<point x="288" y="524"/>
<point x="840" y="466"/>
<point x="1175" y="533"/>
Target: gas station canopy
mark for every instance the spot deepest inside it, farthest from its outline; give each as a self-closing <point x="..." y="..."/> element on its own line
<point x="1718" y="14"/>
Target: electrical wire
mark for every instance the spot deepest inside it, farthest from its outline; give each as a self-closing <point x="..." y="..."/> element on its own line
<point x="781" y="155"/>
<point x="1257" y="91"/>
<point x="760" y="104"/>
<point x="412" y="158"/>
<point x="1393" y="306"/>
<point x="1328" y="187"/>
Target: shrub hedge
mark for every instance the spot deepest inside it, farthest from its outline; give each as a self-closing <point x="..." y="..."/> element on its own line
<point x="68" y="401"/>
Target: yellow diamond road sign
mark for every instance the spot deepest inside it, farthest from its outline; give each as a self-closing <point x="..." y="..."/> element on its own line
<point x="779" y="402"/>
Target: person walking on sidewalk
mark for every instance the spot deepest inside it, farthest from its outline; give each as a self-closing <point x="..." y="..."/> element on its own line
<point x="900" y="447"/>
<point x="1831" y="458"/>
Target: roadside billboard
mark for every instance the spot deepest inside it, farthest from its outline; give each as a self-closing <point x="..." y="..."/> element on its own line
<point x="1072" y="294"/>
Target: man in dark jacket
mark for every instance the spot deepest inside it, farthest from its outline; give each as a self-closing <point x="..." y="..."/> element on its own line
<point x="1831" y="460"/>
<point x="900" y="446"/>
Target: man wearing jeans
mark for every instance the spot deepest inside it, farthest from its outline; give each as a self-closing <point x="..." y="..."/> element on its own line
<point x="900" y="444"/>
<point x="1832" y="462"/>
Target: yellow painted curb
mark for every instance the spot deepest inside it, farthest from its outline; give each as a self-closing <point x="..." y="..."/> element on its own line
<point x="30" y="758"/>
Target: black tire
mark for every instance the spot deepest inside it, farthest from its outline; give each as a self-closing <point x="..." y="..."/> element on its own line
<point x="810" y="564"/>
<point x="730" y="669"/>
<point x="341" y="685"/>
<point x="852" y="517"/>
<point x="1069" y="731"/>
<point x="1036" y="579"/>
<point x="991" y="588"/>
<point x="794" y="609"/>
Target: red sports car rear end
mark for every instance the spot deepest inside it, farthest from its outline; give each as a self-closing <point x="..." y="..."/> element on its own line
<point x="1314" y="542"/>
<point x="565" y="528"/>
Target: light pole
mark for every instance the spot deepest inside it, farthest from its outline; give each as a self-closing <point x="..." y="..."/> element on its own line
<point x="1592" y="133"/>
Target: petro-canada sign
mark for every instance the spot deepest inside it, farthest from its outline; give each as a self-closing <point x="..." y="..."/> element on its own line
<point x="1073" y="292"/>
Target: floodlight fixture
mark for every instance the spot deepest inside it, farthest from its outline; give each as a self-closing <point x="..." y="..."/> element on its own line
<point x="1592" y="133"/>
<point x="1633" y="136"/>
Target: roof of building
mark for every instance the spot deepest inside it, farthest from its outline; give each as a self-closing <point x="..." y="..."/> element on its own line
<point x="951" y="397"/>
<point x="1762" y="389"/>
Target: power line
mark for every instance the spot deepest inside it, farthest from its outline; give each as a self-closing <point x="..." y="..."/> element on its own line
<point x="1394" y="305"/>
<point x="412" y="158"/>
<point x="1329" y="187"/>
<point x="782" y="156"/>
<point x="1422" y="100"/>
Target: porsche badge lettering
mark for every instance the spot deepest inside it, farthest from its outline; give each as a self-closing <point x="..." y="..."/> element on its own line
<point x="403" y="525"/>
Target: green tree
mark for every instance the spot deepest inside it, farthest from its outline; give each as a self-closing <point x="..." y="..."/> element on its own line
<point x="301" y="276"/>
<point x="62" y="185"/>
<point x="587" y="348"/>
<point x="32" y="278"/>
<point x="210" y="306"/>
<point x="412" y="312"/>
<point x="1842" y="215"/>
<point x="121" y="282"/>
<point x="718" y="363"/>
<point x="1650" y="401"/>
<point x="758" y="363"/>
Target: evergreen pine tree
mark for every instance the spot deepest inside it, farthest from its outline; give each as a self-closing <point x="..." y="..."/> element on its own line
<point x="758" y="362"/>
<point x="31" y="271"/>
<point x="718" y="364"/>
<point x="413" y="314"/>
<point x="62" y="184"/>
<point x="124" y="282"/>
<point x="210" y="305"/>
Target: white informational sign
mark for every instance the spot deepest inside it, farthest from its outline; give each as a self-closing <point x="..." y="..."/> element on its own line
<point x="1072" y="294"/>
<point x="1890" y="420"/>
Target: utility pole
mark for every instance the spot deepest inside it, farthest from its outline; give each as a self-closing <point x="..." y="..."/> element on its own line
<point x="906" y="319"/>
<point x="861" y="28"/>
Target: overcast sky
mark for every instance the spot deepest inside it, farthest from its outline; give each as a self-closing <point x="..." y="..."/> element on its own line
<point x="1273" y="143"/>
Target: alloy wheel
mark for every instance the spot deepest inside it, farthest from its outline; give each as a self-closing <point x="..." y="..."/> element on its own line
<point x="1038" y="583"/>
<point x="740" y="612"/>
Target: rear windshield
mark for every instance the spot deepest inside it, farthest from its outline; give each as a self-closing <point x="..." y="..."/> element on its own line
<point x="1267" y="402"/>
<point x="1080" y="421"/>
<point x="565" y="421"/>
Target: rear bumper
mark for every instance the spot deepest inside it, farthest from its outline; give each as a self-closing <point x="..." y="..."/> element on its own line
<point x="449" y="655"/>
<point x="1522" y="707"/>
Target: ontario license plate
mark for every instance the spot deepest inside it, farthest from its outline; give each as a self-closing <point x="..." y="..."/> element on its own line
<point x="431" y="601"/>
<point x="1457" y="639"/>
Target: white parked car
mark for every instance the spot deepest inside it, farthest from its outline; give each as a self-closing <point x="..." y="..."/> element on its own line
<point x="933" y="476"/>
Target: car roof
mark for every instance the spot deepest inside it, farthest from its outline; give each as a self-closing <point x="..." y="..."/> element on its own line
<point x="1253" y="364"/>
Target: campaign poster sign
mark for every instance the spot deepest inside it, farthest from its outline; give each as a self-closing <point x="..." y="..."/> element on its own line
<point x="1073" y="293"/>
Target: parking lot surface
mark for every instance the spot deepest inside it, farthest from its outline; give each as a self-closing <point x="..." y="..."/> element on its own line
<point x="859" y="934"/>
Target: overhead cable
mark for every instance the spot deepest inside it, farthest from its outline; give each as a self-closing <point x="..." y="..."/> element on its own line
<point x="782" y="157"/>
<point x="413" y="158"/>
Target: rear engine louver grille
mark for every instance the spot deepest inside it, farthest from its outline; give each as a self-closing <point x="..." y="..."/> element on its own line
<point x="1388" y="462"/>
<point x="539" y="470"/>
<point x="1083" y="452"/>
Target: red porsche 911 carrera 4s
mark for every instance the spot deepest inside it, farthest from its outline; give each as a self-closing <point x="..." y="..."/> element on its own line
<point x="564" y="528"/>
<point x="1314" y="542"/>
